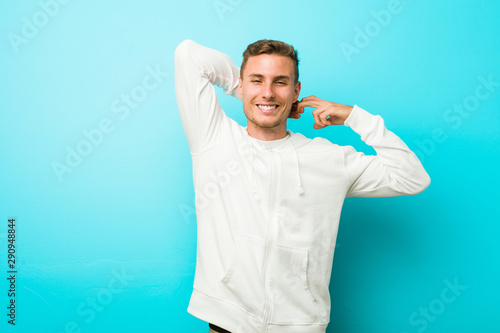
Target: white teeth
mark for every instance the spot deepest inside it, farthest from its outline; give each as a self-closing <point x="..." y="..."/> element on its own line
<point x="267" y="107"/>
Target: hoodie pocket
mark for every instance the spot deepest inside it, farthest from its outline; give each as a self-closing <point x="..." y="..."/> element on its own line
<point x="292" y="300"/>
<point x="242" y="282"/>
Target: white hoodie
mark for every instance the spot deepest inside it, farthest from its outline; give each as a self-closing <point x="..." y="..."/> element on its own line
<point x="268" y="211"/>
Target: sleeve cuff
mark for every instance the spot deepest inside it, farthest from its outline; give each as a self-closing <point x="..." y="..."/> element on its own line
<point x="364" y="123"/>
<point x="352" y="115"/>
<point x="233" y="90"/>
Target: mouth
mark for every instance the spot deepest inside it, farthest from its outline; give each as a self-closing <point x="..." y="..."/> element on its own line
<point x="267" y="108"/>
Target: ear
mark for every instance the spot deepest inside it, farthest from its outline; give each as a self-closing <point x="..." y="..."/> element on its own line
<point x="296" y="91"/>
<point x="240" y="87"/>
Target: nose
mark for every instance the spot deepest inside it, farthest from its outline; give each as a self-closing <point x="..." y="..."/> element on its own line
<point x="268" y="91"/>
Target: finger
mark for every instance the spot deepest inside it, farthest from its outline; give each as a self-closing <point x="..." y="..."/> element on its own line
<point x="312" y="104"/>
<point x="324" y="118"/>
<point x="296" y="106"/>
<point x="320" y="116"/>
<point x="313" y="99"/>
<point x="316" y="126"/>
<point x="310" y="101"/>
<point x="300" y="109"/>
<point x="297" y="110"/>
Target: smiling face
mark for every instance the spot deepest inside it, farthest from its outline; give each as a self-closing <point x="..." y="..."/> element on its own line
<point x="268" y="91"/>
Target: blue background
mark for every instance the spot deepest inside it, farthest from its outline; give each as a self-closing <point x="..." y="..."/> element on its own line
<point x="118" y="230"/>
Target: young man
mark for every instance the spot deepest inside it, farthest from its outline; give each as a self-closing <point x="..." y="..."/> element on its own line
<point x="268" y="201"/>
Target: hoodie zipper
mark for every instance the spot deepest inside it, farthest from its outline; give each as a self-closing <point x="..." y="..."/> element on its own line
<point x="270" y="242"/>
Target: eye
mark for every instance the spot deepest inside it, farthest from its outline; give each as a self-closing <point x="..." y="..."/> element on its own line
<point x="281" y="83"/>
<point x="256" y="81"/>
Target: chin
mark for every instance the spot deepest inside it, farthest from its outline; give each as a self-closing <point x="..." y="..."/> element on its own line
<point x="269" y="123"/>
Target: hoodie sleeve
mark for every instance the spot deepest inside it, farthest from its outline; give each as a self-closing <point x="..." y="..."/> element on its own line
<point x="394" y="171"/>
<point x="197" y="69"/>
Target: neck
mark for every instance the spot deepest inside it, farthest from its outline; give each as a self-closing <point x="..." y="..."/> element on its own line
<point x="266" y="134"/>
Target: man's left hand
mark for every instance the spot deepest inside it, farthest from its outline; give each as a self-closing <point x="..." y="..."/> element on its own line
<point x="325" y="114"/>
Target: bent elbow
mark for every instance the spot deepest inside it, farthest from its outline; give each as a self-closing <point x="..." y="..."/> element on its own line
<point x="426" y="181"/>
<point x="422" y="183"/>
<point x="412" y="184"/>
<point x="182" y="48"/>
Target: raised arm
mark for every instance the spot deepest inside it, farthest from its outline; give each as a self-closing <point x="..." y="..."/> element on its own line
<point x="197" y="69"/>
<point x="394" y="171"/>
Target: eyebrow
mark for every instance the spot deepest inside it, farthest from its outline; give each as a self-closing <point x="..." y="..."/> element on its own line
<point x="279" y="77"/>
